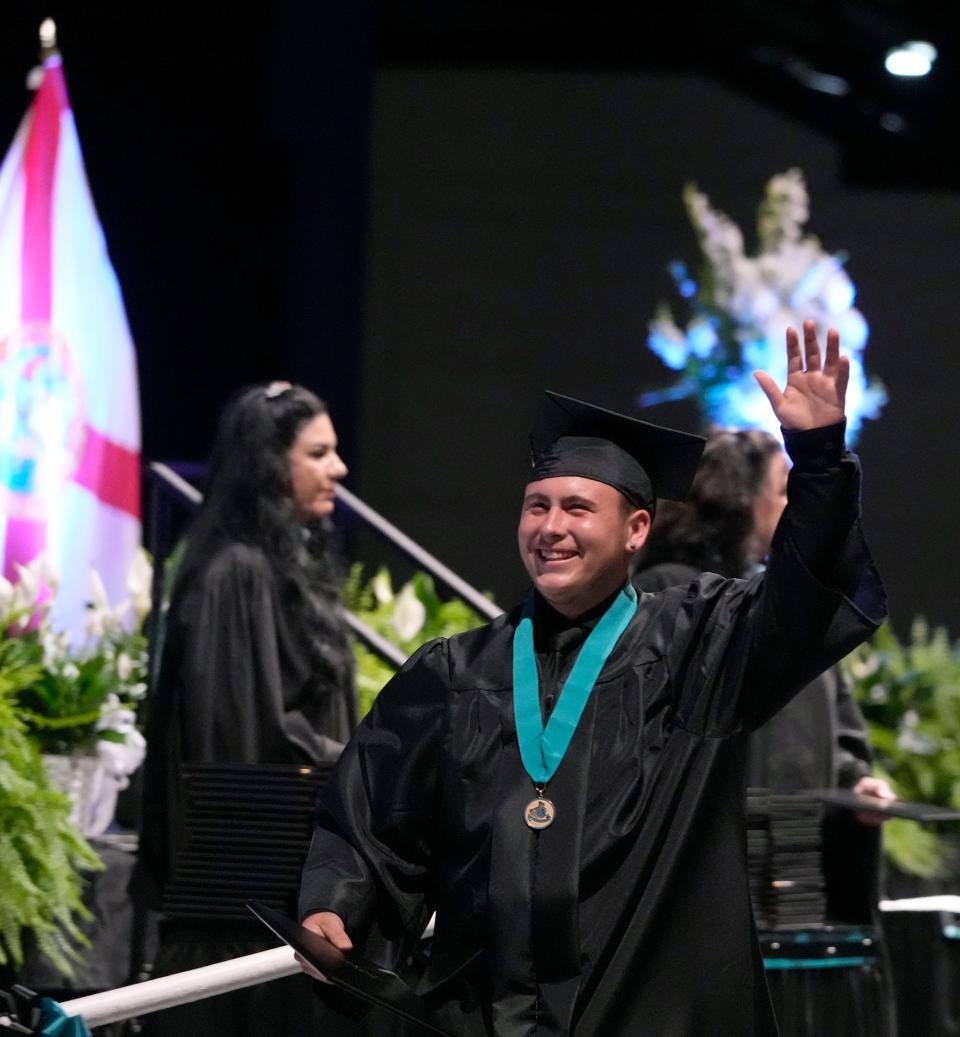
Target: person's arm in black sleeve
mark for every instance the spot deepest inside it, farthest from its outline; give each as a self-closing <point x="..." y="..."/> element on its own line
<point x="823" y="520"/>
<point x="824" y="493"/>
<point x="741" y="649"/>
<point x="822" y="595"/>
<point x="370" y="859"/>
<point x="852" y="754"/>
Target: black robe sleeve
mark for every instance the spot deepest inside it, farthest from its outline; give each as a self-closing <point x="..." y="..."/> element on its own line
<point x="738" y="650"/>
<point x="370" y="860"/>
<point x="853" y="757"/>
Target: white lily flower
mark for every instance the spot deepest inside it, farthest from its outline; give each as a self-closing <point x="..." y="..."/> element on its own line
<point x="865" y="667"/>
<point x="55" y="647"/>
<point x="124" y="666"/>
<point x="121" y="759"/>
<point x="784" y="210"/>
<point x="48" y="572"/>
<point x="752" y="300"/>
<point x="720" y="239"/>
<point x="911" y="741"/>
<point x="140" y="582"/>
<point x="100" y="619"/>
<point x="6" y="596"/>
<point x="96" y="623"/>
<point x="409" y="614"/>
<point x="28" y="585"/>
<point x="98" y="593"/>
<point x="109" y="708"/>
<point x="125" y="615"/>
<point x="382" y="587"/>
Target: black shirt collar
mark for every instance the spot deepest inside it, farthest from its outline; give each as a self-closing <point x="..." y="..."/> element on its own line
<point x="554" y="632"/>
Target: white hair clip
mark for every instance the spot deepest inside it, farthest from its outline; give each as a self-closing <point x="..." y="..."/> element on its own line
<point x="275" y="389"/>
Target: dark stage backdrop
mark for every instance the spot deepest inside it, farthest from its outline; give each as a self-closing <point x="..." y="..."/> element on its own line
<point x="226" y="153"/>
<point x="520" y="226"/>
<point x="430" y="249"/>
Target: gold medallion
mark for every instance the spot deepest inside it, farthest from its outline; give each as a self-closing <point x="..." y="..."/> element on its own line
<point x="539" y="813"/>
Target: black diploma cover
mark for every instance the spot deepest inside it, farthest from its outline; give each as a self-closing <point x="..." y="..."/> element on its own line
<point x="349" y="971"/>
<point x="926" y="813"/>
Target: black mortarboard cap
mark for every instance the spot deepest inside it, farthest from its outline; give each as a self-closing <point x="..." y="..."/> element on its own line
<point x="641" y="460"/>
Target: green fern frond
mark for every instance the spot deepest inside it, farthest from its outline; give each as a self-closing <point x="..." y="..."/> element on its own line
<point x="42" y="856"/>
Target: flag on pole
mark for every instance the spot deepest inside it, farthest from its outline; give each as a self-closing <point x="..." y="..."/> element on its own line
<point x="69" y="406"/>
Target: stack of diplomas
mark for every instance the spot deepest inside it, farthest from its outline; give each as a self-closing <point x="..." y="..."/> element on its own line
<point x="784" y="859"/>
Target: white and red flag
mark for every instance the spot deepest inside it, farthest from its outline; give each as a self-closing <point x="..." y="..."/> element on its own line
<point x="69" y="406"/>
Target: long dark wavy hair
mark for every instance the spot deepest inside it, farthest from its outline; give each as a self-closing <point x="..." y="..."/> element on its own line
<point x="711" y="531"/>
<point x="249" y="500"/>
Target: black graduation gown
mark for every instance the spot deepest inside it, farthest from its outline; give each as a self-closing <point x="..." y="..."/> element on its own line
<point x="817" y="740"/>
<point x="236" y="685"/>
<point x="631" y="913"/>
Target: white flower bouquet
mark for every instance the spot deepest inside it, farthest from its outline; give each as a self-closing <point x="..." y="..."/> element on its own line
<point x="740" y="307"/>
<point x="80" y="708"/>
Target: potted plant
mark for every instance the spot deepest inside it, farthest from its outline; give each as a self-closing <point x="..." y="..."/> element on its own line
<point x="42" y="854"/>
<point x="79" y="706"/>
<point x="910" y="695"/>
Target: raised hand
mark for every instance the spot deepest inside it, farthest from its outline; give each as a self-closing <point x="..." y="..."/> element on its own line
<point x="813" y="396"/>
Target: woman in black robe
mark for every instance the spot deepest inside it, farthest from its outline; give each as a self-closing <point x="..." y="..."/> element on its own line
<point x="256" y="666"/>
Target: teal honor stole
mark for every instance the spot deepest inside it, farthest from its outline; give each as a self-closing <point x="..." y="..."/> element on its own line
<point x="542" y="748"/>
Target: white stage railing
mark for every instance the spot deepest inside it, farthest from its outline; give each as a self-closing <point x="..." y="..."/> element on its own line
<point x="153" y="995"/>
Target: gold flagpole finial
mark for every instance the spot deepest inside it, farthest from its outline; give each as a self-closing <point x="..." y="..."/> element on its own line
<point x="48" y="37"/>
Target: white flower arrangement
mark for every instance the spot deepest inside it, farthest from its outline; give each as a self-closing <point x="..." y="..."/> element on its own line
<point x="740" y="307"/>
<point x="80" y="709"/>
<point x="89" y="692"/>
<point x="407" y="618"/>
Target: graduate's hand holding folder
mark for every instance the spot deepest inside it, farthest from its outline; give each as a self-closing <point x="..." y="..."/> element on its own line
<point x="849" y="799"/>
<point x="330" y="927"/>
<point x="325" y="952"/>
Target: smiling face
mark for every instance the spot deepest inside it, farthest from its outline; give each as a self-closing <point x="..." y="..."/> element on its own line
<point x="576" y="538"/>
<point x="315" y="468"/>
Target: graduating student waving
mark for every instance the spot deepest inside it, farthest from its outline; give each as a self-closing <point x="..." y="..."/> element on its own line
<point x="564" y="786"/>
